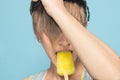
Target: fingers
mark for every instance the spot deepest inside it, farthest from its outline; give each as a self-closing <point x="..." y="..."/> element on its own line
<point x="34" y="0"/>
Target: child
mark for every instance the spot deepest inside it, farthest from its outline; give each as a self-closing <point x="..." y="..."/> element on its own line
<point x="61" y="26"/>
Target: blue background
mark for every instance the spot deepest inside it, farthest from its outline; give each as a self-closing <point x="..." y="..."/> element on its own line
<point x="21" y="54"/>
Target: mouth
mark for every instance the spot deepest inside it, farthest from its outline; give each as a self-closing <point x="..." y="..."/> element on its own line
<point x="65" y="63"/>
<point x="71" y="51"/>
<point x="64" y="51"/>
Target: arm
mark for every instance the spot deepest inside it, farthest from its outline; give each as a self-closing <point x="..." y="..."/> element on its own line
<point x="100" y="61"/>
<point x="96" y="56"/>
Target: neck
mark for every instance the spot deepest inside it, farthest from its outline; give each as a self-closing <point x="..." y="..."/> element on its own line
<point x="76" y="76"/>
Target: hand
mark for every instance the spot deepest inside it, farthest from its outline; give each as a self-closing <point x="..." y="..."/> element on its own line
<point x="34" y="0"/>
<point x="53" y="6"/>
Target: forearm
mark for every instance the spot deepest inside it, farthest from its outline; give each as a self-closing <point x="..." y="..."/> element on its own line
<point x="98" y="58"/>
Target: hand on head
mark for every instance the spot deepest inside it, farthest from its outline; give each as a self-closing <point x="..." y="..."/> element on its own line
<point x="35" y="0"/>
<point x="52" y="6"/>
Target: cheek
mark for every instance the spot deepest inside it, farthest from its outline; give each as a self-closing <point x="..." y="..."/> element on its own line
<point x="52" y="57"/>
<point x="51" y="54"/>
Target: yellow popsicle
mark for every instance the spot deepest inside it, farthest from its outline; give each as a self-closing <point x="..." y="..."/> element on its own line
<point x="65" y="63"/>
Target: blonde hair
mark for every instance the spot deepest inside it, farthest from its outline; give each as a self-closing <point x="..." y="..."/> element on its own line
<point x="43" y="23"/>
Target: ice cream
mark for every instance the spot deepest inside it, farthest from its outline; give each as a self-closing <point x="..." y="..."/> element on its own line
<point x="65" y="63"/>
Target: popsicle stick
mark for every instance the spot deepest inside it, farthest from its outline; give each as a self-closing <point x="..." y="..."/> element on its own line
<point x="66" y="76"/>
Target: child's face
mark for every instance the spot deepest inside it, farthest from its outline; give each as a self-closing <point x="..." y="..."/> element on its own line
<point x="63" y="44"/>
<point x="59" y="44"/>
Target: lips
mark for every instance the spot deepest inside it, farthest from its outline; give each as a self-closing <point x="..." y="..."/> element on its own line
<point x="71" y="51"/>
<point x="64" y="51"/>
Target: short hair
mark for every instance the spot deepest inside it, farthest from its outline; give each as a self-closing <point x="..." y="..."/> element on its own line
<point x="42" y="22"/>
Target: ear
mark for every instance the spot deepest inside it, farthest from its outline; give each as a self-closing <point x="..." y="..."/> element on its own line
<point x="48" y="48"/>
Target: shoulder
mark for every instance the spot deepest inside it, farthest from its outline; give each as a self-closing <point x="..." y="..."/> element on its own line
<point x="37" y="76"/>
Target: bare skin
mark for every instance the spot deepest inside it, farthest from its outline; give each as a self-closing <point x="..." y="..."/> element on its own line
<point x="100" y="60"/>
<point x="51" y="49"/>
